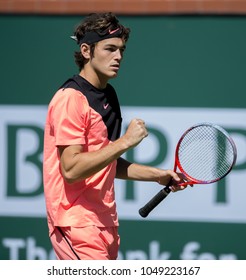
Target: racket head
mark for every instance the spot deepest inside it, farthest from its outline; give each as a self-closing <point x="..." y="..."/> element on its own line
<point x="205" y="153"/>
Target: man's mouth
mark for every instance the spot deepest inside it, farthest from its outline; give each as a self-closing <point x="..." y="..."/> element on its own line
<point x="115" y="66"/>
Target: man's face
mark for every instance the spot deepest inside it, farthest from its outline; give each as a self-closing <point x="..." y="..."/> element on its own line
<point x="107" y="57"/>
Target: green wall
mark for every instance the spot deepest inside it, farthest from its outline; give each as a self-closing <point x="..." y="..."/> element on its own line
<point x="199" y="61"/>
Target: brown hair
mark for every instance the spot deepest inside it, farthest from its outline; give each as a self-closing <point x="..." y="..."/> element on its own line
<point x="100" y="23"/>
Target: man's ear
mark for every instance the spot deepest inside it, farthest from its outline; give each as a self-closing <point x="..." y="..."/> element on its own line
<point x="85" y="51"/>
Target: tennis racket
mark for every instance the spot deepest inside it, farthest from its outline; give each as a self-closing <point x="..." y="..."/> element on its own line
<point x="205" y="154"/>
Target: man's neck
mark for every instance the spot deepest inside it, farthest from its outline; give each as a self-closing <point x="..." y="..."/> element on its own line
<point x="93" y="79"/>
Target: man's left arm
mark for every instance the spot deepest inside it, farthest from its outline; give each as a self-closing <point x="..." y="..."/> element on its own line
<point x="132" y="171"/>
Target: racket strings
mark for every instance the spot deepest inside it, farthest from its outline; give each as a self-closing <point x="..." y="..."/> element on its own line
<point x="205" y="154"/>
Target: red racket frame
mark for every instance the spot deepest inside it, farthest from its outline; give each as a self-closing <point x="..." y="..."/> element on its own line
<point x="145" y="210"/>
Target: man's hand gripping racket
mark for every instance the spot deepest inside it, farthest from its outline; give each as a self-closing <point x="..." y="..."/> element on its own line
<point x="205" y="154"/>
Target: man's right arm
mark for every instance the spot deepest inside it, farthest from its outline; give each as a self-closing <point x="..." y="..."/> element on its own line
<point x="78" y="165"/>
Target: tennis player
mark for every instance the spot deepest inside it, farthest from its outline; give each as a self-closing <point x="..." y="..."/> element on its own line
<point x="83" y="148"/>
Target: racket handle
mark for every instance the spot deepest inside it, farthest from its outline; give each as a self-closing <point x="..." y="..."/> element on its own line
<point x="149" y="206"/>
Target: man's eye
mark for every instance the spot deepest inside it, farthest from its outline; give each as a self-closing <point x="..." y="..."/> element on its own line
<point x="111" y="49"/>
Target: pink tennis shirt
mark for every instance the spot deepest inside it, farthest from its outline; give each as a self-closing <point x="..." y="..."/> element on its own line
<point x="72" y="121"/>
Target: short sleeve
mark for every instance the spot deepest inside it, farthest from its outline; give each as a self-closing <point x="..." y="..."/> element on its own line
<point x="68" y="117"/>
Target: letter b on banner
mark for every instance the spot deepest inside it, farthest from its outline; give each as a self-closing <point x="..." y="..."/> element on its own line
<point x="21" y="147"/>
<point x="24" y="168"/>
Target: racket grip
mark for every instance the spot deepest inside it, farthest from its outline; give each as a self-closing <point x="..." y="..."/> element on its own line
<point x="149" y="206"/>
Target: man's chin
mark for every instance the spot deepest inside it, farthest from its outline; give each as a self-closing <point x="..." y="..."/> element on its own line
<point x="114" y="75"/>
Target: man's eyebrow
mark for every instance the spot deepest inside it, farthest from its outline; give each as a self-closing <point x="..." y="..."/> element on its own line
<point x="115" y="46"/>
